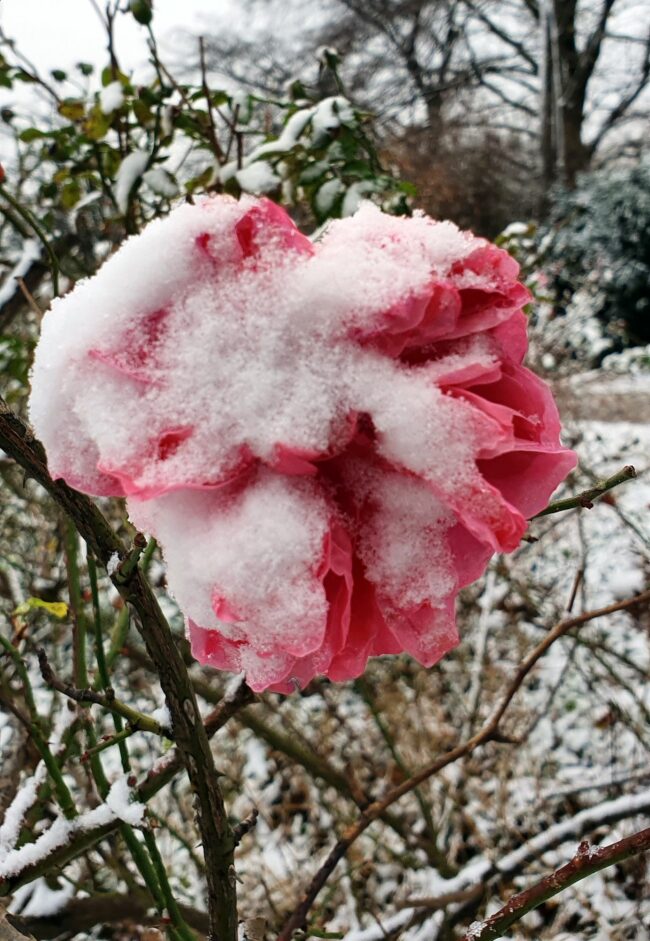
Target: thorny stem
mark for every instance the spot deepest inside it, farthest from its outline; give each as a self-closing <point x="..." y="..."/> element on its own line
<point x="311" y="761"/>
<point x="489" y="732"/>
<point x="585" y="500"/>
<point x="108" y="741"/>
<point x="188" y="730"/>
<point x="587" y="861"/>
<point x="153" y="782"/>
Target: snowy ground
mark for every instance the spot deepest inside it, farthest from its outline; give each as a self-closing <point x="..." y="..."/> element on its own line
<point x="505" y="816"/>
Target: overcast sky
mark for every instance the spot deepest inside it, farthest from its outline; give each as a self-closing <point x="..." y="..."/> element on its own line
<point x="58" y="33"/>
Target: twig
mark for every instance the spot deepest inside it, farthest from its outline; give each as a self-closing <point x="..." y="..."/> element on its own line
<point x="35" y="727"/>
<point x="586" y="862"/>
<point x="108" y="741"/>
<point x="137" y="720"/>
<point x="491" y="729"/>
<point x="80" y="915"/>
<point x="128" y="565"/>
<point x="585" y="500"/>
<point x="245" y="826"/>
<point x="483" y="874"/>
<point x="154" y="781"/>
<point x="212" y="131"/>
<point x="188" y="730"/>
<point x="33" y="224"/>
<point x="29" y="297"/>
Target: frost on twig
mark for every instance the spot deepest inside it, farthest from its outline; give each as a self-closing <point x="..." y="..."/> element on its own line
<point x="118" y="806"/>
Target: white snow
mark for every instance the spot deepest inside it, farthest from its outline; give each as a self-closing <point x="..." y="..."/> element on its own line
<point x="315" y="121"/>
<point x="129" y="172"/>
<point x="57" y="834"/>
<point x="15" y="813"/>
<point x="111" y="97"/>
<point x="475" y="929"/>
<point x="120" y="802"/>
<point x="163" y="717"/>
<point x="428" y="883"/>
<point x="258" y="177"/>
<point x="198" y="364"/>
<point x="38" y="900"/>
<point x="118" y="806"/>
<point x="161" y="182"/>
<point x="327" y="195"/>
<point x="31" y="252"/>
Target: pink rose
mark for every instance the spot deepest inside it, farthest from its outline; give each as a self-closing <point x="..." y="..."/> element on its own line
<point x="329" y="439"/>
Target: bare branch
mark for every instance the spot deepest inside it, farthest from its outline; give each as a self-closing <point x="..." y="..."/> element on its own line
<point x="586" y="862"/>
<point x="188" y="730"/>
<point x="487" y="733"/>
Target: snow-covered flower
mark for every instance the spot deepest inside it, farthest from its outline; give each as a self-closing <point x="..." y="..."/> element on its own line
<point x="329" y="439"/>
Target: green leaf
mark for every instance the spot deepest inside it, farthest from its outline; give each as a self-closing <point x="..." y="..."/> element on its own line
<point x="30" y="134"/>
<point x="72" y="109"/>
<point x="58" y="75"/>
<point x="142" y="112"/>
<point x="58" y="608"/>
<point x="97" y="124"/>
<point x="142" y="11"/>
<point x="109" y="74"/>
<point x="198" y="182"/>
<point x="24" y="76"/>
<point x="86" y="68"/>
<point x="70" y="194"/>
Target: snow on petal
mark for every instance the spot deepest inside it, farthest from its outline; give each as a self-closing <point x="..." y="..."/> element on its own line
<point x="328" y="438"/>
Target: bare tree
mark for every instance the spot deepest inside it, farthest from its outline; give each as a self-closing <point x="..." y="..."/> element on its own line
<point x="570" y="76"/>
<point x="568" y="54"/>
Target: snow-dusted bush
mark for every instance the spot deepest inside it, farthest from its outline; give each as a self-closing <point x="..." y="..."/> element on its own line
<point x="598" y="242"/>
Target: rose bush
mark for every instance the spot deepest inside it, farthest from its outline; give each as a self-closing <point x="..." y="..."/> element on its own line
<point x="329" y="439"/>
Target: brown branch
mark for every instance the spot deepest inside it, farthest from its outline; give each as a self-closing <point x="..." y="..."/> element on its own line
<point x="82" y="914"/>
<point x="245" y="826"/>
<point x="586" y="862"/>
<point x="489" y="732"/>
<point x="188" y="730"/>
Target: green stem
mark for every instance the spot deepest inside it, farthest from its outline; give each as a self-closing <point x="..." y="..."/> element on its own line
<point x="104" y="678"/>
<point x="118" y="636"/>
<point x="585" y="500"/>
<point x="170" y="903"/>
<point x="108" y="742"/>
<point x="63" y="795"/>
<point x="71" y="545"/>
